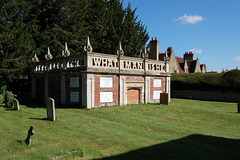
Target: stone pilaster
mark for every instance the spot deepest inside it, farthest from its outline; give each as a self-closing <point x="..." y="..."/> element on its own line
<point x="122" y="90"/>
<point x="88" y="91"/>
<point x="46" y="88"/>
<point x="147" y="89"/>
<point x="168" y="87"/>
<point x="33" y="87"/>
<point x="63" y="89"/>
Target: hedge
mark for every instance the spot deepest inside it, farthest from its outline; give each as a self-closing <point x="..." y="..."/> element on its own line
<point x="229" y="81"/>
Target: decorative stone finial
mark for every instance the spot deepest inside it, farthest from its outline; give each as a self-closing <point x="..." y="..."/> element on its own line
<point x="145" y="54"/>
<point x="48" y="56"/>
<point x="66" y="52"/>
<point x="88" y="47"/>
<point x="120" y="52"/>
<point x="35" y="58"/>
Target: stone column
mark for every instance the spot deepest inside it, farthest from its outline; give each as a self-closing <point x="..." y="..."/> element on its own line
<point x="122" y="91"/>
<point x="63" y="89"/>
<point x="46" y="88"/>
<point x="33" y="87"/>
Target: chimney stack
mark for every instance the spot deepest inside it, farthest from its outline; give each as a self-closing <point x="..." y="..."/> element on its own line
<point x="154" y="49"/>
<point x="188" y="56"/>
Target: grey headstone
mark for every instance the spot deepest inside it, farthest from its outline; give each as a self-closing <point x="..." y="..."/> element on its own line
<point x="50" y="103"/>
<point x="15" y="104"/>
<point x="29" y="136"/>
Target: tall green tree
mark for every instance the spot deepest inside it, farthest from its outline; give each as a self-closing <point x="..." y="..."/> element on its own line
<point x="30" y="26"/>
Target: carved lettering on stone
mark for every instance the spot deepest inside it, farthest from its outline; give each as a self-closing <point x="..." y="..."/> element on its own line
<point x="106" y="82"/>
<point x="106" y="97"/>
<point x="74" y="97"/>
<point x="103" y="62"/>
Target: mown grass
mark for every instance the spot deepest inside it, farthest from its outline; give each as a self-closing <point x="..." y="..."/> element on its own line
<point x="186" y="129"/>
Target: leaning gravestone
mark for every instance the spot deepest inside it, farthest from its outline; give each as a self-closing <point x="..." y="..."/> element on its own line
<point x="29" y="136"/>
<point x="50" y="103"/>
<point x="15" y="104"/>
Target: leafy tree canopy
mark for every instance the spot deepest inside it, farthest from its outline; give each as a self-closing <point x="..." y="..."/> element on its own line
<point x="30" y="26"/>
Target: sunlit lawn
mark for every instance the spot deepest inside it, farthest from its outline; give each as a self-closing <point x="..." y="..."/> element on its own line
<point x="185" y="129"/>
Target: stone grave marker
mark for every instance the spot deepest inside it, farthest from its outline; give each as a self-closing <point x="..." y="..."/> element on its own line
<point x="50" y="103"/>
<point x="15" y="104"/>
<point x="164" y="98"/>
<point x="29" y="136"/>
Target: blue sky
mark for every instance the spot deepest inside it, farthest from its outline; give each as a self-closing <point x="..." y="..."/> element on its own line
<point x="211" y="28"/>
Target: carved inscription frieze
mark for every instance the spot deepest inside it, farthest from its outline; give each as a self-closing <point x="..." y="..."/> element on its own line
<point x="104" y="62"/>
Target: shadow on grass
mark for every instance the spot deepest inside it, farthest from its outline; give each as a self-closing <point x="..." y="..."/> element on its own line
<point x="34" y="104"/>
<point x="44" y="119"/>
<point x="190" y="147"/>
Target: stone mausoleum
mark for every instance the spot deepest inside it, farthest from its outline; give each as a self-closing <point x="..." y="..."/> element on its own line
<point x="90" y="79"/>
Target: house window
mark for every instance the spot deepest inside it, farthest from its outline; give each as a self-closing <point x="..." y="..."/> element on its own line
<point x="173" y="69"/>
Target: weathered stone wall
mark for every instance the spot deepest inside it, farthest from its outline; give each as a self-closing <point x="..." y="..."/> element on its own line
<point x="228" y="96"/>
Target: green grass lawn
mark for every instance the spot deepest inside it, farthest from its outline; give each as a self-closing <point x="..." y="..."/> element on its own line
<point x="185" y="129"/>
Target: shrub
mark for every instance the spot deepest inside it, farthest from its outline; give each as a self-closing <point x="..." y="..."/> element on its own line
<point x="199" y="81"/>
<point x="231" y="79"/>
<point x="8" y="96"/>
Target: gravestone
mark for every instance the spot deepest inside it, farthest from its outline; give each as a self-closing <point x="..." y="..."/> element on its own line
<point x="50" y="104"/>
<point x="15" y="104"/>
<point x="29" y="136"/>
<point x="164" y="98"/>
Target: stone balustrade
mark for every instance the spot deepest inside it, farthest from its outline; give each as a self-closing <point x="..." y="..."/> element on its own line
<point x="99" y="62"/>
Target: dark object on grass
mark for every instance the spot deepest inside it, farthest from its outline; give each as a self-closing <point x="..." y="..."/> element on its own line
<point x="238" y="107"/>
<point x="30" y="134"/>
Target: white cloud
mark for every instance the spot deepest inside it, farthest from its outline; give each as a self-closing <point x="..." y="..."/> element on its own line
<point x="189" y="19"/>
<point x="194" y="50"/>
<point x="236" y="59"/>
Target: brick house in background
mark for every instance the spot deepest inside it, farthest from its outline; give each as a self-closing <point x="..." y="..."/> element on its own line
<point x="177" y="64"/>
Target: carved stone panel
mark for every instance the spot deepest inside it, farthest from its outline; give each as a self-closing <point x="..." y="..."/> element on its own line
<point x="106" y="82"/>
<point x="74" y="97"/>
<point x="74" y="82"/>
<point x="106" y="97"/>
<point x="157" y="83"/>
<point x="156" y="94"/>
